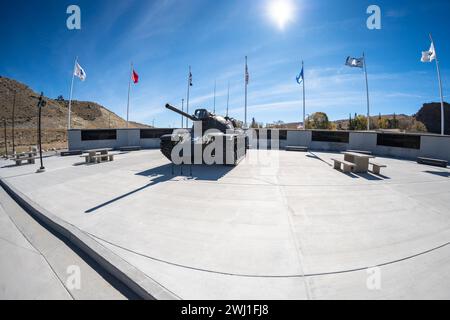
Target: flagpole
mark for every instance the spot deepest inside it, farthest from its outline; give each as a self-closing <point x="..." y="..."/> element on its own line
<point x="304" y="108"/>
<point x="182" y="117"/>
<point x="440" y="88"/>
<point x="129" y="89"/>
<point x="367" y="90"/>
<point x="215" y="86"/>
<point x="228" y="98"/>
<point x="188" y="93"/>
<point x="70" y="96"/>
<point x="246" y="85"/>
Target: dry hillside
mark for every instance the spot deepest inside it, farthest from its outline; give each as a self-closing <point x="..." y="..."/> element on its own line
<point x="86" y="115"/>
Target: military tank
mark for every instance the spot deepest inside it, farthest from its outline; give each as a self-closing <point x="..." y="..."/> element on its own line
<point x="234" y="142"/>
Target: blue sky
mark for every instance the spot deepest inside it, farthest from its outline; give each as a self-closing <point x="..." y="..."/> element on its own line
<point x="163" y="37"/>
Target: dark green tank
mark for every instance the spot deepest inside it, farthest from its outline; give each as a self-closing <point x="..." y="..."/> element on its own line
<point x="234" y="146"/>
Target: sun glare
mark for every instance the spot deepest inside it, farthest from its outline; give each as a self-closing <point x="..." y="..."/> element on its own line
<point x="281" y="12"/>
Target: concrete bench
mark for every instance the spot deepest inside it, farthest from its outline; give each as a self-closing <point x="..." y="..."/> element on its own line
<point x="376" y="167"/>
<point x="297" y="148"/>
<point x="71" y="153"/>
<point x="131" y="148"/>
<point x="99" y="157"/>
<point x="432" y="162"/>
<point x="347" y="166"/>
<point x="86" y="158"/>
<point x="361" y="151"/>
<point x="30" y="160"/>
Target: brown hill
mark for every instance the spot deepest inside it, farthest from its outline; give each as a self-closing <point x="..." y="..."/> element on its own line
<point x="430" y="116"/>
<point x="86" y="115"/>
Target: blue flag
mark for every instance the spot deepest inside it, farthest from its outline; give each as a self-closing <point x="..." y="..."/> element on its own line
<point x="300" y="77"/>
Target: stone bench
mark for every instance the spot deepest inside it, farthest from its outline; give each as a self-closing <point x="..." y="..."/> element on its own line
<point x="347" y="166"/>
<point x="30" y="160"/>
<point x="131" y="148"/>
<point x="376" y="167"/>
<point x="361" y="151"/>
<point x="297" y="148"/>
<point x="98" y="158"/>
<point x="71" y="153"/>
<point x="432" y="162"/>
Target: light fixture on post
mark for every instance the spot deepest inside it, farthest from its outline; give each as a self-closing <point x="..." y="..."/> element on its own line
<point x="40" y="105"/>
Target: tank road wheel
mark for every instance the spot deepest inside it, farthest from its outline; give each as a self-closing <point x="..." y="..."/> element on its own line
<point x="235" y="154"/>
<point x="235" y="151"/>
<point x="167" y="146"/>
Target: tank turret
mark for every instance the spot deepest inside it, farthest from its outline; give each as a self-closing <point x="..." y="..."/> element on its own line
<point x="209" y="120"/>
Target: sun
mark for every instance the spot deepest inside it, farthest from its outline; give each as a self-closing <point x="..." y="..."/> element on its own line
<point x="281" y="12"/>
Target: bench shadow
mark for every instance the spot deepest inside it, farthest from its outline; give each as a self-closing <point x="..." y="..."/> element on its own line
<point x="350" y="174"/>
<point x="168" y="172"/>
<point x="368" y="176"/>
<point x="16" y="166"/>
<point x="371" y="176"/>
<point x="381" y="176"/>
<point x="84" y="163"/>
<point x="76" y="164"/>
<point x="439" y="173"/>
<point x="10" y="166"/>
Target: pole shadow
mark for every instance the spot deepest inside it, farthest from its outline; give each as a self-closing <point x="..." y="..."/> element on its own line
<point x="314" y="156"/>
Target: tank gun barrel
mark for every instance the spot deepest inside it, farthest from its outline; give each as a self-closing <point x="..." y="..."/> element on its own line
<point x="184" y="114"/>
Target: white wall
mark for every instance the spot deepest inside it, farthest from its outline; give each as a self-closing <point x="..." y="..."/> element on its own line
<point x="433" y="146"/>
<point x="128" y="137"/>
<point x="75" y="142"/>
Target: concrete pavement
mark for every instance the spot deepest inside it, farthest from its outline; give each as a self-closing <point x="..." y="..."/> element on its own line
<point x="282" y="226"/>
<point x="36" y="264"/>
<point x="24" y="272"/>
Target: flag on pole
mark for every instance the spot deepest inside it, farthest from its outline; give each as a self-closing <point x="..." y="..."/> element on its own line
<point x="361" y="63"/>
<point x="430" y="55"/>
<point x="134" y="77"/>
<point x="300" y="77"/>
<point x="355" y="62"/>
<point x="79" y="72"/>
<point x="190" y="79"/>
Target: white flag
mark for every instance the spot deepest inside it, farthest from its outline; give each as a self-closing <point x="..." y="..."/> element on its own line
<point x="79" y="72"/>
<point x="430" y="55"/>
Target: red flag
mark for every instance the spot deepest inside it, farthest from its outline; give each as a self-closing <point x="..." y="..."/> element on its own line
<point x="135" y="77"/>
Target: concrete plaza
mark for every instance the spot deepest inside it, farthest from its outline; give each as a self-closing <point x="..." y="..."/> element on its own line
<point x="280" y="225"/>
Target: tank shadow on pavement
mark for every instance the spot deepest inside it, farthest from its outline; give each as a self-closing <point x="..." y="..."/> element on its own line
<point x="168" y="172"/>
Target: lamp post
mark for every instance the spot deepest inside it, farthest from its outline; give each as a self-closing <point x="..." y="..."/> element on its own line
<point x="13" y="120"/>
<point x="6" y="139"/>
<point x="41" y="104"/>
